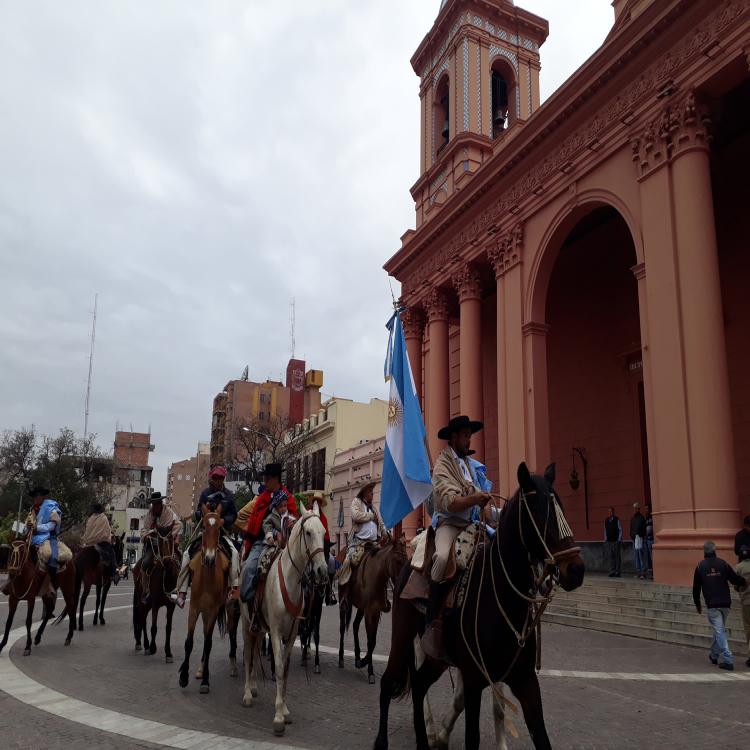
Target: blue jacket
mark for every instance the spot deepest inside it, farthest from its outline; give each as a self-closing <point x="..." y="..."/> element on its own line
<point x="45" y="528"/>
<point x="223" y="497"/>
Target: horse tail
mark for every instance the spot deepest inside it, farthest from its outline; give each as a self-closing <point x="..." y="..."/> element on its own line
<point x="349" y="610"/>
<point x="61" y="616"/>
<point x="221" y="620"/>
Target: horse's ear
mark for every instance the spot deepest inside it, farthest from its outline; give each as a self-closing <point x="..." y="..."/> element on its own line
<point x="550" y="473"/>
<point x="316" y="509"/>
<point x="524" y="478"/>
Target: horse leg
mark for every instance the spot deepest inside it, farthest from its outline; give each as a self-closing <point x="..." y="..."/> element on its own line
<point x="316" y="635"/>
<point x="98" y="602"/>
<point x="208" y="633"/>
<point x="168" y="639"/>
<point x="105" y="591"/>
<point x="68" y="588"/>
<point x="355" y="628"/>
<point x="473" y="706"/>
<point x="185" y="666"/>
<point x="49" y="608"/>
<point x="12" y="604"/>
<point x="371" y="628"/>
<point x="233" y="618"/>
<point x="84" y="596"/>
<point x="29" y="616"/>
<point x="343" y="609"/>
<point x="287" y="660"/>
<point x="449" y="721"/>
<point x="498" y="717"/>
<point x="530" y="697"/>
<point x="154" y="619"/>
<point x="280" y="653"/>
<point x="250" y="645"/>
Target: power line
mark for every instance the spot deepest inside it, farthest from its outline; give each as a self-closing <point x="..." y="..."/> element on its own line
<point x="91" y="367"/>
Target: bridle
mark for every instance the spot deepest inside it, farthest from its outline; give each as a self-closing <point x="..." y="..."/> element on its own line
<point x="19" y="556"/>
<point x="296" y="610"/>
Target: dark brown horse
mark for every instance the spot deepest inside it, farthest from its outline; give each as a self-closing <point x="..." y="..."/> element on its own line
<point x="92" y="570"/>
<point x="26" y="582"/>
<point x="159" y="582"/>
<point x="491" y="638"/>
<point x="366" y="591"/>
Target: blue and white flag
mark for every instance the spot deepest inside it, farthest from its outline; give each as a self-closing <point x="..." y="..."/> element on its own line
<point x="406" y="467"/>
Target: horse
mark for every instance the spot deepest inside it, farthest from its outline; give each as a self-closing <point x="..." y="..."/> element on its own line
<point x="281" y="605"/>
<point x="208" y="595"/>
<point x="160" y="582"/>
<point x="366" y="590"/>
<point x="491" y="637"/>
<point x="91" y="570"/>
<point x="309" y="628"/>
<point x="26" y="582"/>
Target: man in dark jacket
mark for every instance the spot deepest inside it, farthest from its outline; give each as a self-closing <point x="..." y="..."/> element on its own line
<point x="613" y="540"/>
<point x="742" y="539"/>
<point x="713" y="576"/>
<point x="638" y="535"/>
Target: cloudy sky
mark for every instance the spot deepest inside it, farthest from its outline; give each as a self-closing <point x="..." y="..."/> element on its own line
<point x="198" y="164"/>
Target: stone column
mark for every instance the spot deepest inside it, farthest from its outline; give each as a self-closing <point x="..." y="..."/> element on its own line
<point x="537" y="397"/>
<point x="437" y="398"/>
<point x="496" y="257"/>
<point x="705" y="357"/>
<point x="468" y="286"/>
<point x="413" y="322"/>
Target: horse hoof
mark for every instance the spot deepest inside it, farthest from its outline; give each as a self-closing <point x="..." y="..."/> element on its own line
<point x="168" y="659"/>
<point x="203" y="689"/>
<point x="341" y="663"/>
<point x="254" y="692"/>
<point x="288" y="719"/>
<point x="67" y="641"/>
<point x="358" y="664"/>
<point x="27" y="652"/>
<point x="37" y="641"/>
<point x="247" y="701"/>
<point x="137" y="646"/>
<point x="101" y="622"/>
<point x="152" y="650"/>
<point x="183" y="680"/>
<point x="370" y="679"/>
<point x="279" y="727"/>
<point x="316" y="669"/>
<point x="233" y="672"/>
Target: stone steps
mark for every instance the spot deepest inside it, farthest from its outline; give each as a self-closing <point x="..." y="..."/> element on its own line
<point x="642" y="609"/>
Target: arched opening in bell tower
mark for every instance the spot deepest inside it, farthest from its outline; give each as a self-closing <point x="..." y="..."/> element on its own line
<point x="442" y="113"/>
<point x="502" y="89"/>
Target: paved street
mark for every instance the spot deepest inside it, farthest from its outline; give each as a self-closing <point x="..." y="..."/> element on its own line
<point x="598" y="708"/>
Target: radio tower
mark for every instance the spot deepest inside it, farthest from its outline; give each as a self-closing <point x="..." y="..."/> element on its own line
<point x="91" y="365"/>
<point x="292" y="317"/>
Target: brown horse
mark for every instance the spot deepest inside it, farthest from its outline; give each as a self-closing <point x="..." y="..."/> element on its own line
<point x="159" y="583"/>
<point x="91" y="570"/>
<point x="26" y="582"/>
<point x="491" y="637"/>
<point x="366" y="590"/>
<point x="208" y="595"/>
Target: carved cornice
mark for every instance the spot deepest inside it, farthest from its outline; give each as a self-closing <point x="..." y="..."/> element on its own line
<point x="616" y="111"/>
<point x="680" y="126"/>
<point x="507" y="251"/>
<point x="437" y="304"/>
<point x="413" y="322"/>
<point x="535" y="329"/>
<point x="468" y="283"/>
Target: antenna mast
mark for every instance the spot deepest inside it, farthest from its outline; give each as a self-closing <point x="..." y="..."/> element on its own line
<point x="292" y="321"/>
<point x="91" y="366"/>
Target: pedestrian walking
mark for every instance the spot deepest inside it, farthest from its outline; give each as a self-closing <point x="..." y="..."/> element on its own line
<point x="743" y="569"/>
<point x="650" y="541"/>
<point x="638" y="535"/>
<point x="613" y="542"/>
<point x="712" y="577"/>
<point x="742" y="538"/>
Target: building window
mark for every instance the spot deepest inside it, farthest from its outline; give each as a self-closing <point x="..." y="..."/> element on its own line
<point x="187" y="477"/>
<point x="134" y="524"/>
<point x="442" y="113"/>
<point x="179" y="477"/>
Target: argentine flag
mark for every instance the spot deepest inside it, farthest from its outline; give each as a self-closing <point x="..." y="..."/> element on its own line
<point x="406" y="467"/>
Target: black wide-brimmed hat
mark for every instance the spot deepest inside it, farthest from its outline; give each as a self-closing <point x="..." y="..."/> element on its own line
<point x="39" y="490"/>
<point x="457" y="424"/>
<point x="156" y="497"/>
<point x="272" y="470"/>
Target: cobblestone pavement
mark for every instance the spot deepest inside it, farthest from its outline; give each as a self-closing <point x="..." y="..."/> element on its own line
<point x="338" y="709"/>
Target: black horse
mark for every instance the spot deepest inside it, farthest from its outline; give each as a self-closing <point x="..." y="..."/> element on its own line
<point x="93" y="570"/>
<point x="492" y="637"/>
<point x="309" y="628"/>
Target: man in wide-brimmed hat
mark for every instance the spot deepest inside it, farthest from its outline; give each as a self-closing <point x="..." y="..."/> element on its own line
<point x="45" y="521"/>
<point x="456" y="491"/>
<point x="98" y="534"/>
<point x="161" y="520"/>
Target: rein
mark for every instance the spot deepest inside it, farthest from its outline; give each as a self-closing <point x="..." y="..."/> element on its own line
<point x="19" y="556"/>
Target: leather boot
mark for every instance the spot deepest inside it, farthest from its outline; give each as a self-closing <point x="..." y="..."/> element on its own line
<point x="432" y="640"/>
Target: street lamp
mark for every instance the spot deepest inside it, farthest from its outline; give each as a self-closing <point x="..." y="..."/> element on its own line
<point x="575" y="483"/>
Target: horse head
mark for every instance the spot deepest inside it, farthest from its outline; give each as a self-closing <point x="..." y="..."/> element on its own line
<point x="397" y="558"/>
<point x="544" y="530"/>
<point x="307" y="545"/>
<point x="212" y="523"/>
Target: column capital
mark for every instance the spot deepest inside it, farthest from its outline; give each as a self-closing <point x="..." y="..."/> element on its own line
<point x="506" y="251"/>
<point x="467" y="283"/>
<point x="639" y="271"/>
<point x="436" y="304"/>
<point x="690" y="125"/>
<point x="412" y="320"/>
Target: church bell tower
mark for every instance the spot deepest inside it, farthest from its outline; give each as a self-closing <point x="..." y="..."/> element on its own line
<point x="479" y="72"/>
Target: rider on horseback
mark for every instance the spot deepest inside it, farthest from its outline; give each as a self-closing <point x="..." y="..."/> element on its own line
<point x="98" y="534"/>
<point x="456" y="491"/>
<point x="44" y="523"/>
<point x="368" y="531"/>
<point x="159" y="521"/>
<point x="216" y="497"/>
<point x="265" y="526"/>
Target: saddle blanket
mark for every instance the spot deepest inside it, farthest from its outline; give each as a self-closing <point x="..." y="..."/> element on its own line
<point x="463" y="548"/>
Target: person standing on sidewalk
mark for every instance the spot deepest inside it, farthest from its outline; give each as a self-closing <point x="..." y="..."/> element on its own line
<point x="742" y="538"/>
<point x="712" y="577"/>
<point x="638" y="535"/>
<point x="649" y="542"/>
<point x="613" y="540"/>
<point x="743" y="569"/>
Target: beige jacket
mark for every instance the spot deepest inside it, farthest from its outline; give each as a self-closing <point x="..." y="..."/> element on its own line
<point x="167" y="520"/>
<point x="448" y="483"/>
<point x="361" y="514"/>
<point x="97" y="530"/>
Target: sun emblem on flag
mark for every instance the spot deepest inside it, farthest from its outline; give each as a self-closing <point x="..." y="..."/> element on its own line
<point x="395" y="412"/>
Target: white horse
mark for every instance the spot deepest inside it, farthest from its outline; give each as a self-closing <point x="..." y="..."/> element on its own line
<point x="282" y="606"/>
